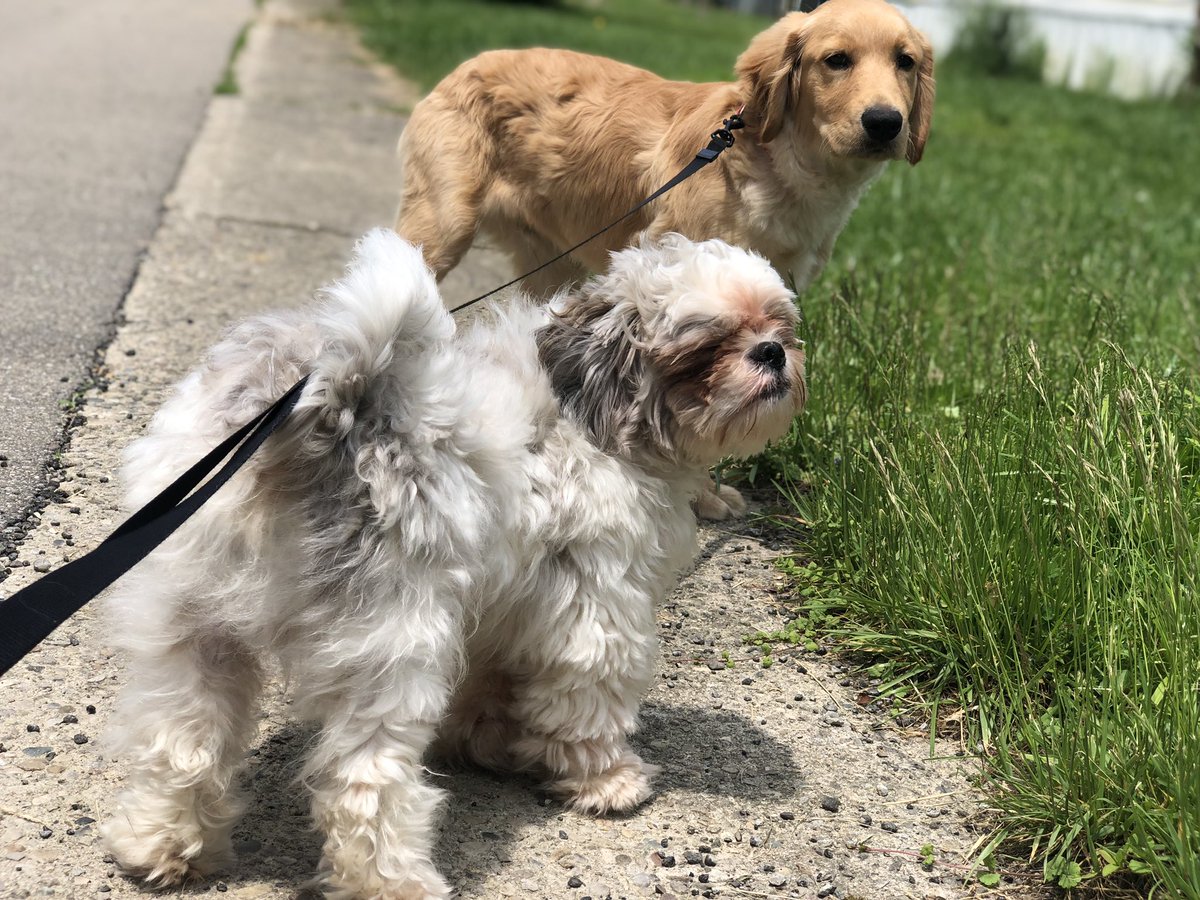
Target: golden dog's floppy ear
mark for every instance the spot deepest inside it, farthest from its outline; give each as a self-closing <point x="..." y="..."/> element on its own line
<point x="767" y="66"/>
<point x="921" y="113"/>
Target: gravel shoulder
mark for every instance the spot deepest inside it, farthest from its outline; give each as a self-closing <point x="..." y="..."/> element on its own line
<point x="776" y="781"/>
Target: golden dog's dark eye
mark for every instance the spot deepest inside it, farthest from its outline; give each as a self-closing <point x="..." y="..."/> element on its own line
<point x="905" y="62"/>
<point x="838" y="60"/>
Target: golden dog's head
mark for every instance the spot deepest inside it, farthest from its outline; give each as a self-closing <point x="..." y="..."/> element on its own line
<point x="852" y="77"/>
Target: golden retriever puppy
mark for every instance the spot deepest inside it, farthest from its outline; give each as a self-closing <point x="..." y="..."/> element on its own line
<point x="540" y="148"/>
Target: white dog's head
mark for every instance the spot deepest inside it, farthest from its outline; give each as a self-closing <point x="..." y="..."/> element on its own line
<point x="683" y="350"/>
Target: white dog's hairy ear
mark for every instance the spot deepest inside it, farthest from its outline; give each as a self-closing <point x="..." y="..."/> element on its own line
<point x="767" y="67"/>
<point x="921" y="114"/>
<point x="597" y="370"/>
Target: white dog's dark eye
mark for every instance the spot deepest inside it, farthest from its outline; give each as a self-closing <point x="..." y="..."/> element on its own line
<point x="905" y="62"/>
<point x="839" y="60"/>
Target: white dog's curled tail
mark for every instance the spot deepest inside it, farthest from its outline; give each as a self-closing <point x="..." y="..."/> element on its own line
<point x="368" y="337"/>
<point x="373" y="326"/>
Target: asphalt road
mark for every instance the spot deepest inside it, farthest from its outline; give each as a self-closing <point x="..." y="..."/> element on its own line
<point x="101" y="101"/>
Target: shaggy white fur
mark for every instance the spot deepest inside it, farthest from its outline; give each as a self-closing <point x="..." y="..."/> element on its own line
<point x="465" y="534"/>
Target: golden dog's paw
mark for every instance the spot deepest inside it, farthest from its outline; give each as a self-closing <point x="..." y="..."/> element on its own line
<point x="719" y="503"/>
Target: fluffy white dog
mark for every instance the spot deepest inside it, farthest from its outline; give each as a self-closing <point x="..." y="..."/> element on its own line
<point x="453" y="535"/>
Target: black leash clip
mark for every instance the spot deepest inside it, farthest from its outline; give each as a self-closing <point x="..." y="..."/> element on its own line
<point x="732" y="124"/>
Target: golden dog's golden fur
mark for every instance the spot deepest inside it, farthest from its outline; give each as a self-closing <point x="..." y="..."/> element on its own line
<point x="539" y="148"/>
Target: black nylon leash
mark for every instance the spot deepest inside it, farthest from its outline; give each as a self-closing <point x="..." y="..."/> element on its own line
<point x="31" y="614"/>
<point x="719" y="140"/>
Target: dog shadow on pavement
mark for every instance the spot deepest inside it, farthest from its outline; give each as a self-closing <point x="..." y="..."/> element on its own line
<point x="709" y="752"/>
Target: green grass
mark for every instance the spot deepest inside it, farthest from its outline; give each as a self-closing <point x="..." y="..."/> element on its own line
<point x="1000" y="463"/>
<point x="1004" y="448"/>
<point x="229" y="83"/>
<point x="425" y="40"/>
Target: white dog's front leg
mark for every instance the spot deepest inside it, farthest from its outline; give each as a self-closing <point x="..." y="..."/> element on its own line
<point x="579" y="703"/>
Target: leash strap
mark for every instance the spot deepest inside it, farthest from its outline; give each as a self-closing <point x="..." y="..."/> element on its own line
<point x="719" y="140"/>
<point x="32" y="613"/>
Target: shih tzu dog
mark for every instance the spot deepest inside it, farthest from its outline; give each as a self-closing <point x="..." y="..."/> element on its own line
<point x="452" y="536"/>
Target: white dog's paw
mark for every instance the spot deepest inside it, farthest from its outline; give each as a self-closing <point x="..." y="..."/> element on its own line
<point x="422" y="883"/>
<point x="427" y="888"/>
<point x="719" y="502"/>
<point x="622" y="787"/>
<point x="160" y="857"/>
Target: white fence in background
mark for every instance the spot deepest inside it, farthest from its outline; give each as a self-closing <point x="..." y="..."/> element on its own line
<point x="1133" y="49"/>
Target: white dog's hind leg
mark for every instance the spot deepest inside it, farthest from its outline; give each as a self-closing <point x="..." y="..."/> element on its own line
<point x="186" y="718"/>
<point x="370" y="797"/>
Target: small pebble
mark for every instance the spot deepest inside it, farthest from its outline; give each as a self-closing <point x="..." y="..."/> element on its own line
<point x="80" y="738"/>
<point x="889" y="826"/>
<point x="33" y="729"/>
<point x="787" y="816"/>
<point x="831" y="804"/>
<point x="574" y="882"/>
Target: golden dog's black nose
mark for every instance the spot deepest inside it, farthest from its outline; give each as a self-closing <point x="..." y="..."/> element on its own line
<point x="882" y="123"/>
<point x="769" y="354"/>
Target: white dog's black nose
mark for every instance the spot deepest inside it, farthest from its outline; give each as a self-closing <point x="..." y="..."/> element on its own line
<point x="882" y="123"/>
<point x="769" y="354"/>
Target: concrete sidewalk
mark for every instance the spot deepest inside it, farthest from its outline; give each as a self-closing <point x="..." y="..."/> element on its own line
<point x="773" y="779"/>
<point x="101" y="102"/>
